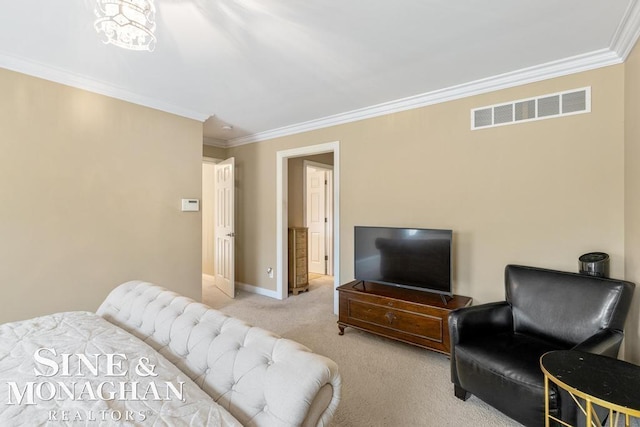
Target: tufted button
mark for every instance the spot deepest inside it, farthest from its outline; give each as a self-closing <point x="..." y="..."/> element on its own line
<point x="265" y="409"/>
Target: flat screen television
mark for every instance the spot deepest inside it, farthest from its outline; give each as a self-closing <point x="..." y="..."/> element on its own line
<point x="414" y="258"/>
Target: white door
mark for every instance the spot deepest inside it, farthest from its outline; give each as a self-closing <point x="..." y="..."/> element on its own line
<point x="224" y="233"/>
<point x="316" y="220"/>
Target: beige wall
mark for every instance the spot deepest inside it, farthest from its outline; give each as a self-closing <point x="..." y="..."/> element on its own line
<point x="296" y="186"/>
<point x="214" y="152"/>
<point x="90" y="191"/>
<point x="539" y="193"/>
<point x="632" y="199"/>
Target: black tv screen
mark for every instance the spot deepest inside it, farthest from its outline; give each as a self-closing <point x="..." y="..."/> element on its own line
<point x="414" y="258"/>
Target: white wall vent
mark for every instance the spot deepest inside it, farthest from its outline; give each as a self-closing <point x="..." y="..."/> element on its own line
<point x="576" y="101"/>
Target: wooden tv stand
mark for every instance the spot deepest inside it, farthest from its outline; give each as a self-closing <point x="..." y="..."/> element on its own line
<point x="415" y="317"/>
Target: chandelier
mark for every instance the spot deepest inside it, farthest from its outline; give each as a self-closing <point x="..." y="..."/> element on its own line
<point x="127" y="23"/>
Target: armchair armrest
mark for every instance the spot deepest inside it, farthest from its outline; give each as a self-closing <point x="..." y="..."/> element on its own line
<point x="605" y="342"/>
<point x="474" y="320"/>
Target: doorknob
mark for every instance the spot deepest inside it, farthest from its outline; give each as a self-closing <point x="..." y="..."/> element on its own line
<point x="231" y="234"/>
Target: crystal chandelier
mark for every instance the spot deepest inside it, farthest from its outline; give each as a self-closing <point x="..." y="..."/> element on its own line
<point x="127" y="23"/>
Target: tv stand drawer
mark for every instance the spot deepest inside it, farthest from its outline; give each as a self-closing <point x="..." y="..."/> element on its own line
<point x="414" y="325"/>
<point x="414" y="317"/>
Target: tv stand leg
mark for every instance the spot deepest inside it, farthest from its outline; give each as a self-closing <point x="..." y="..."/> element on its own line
<point x="445" y="301"/>
<point x="341" y="330"/>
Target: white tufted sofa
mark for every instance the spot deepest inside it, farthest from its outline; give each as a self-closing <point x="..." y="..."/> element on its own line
<point x="260" y="378"/>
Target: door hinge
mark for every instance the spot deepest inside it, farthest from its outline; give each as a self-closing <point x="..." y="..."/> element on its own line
<point x="326" y="257"/>
<point x="326" y="220"/>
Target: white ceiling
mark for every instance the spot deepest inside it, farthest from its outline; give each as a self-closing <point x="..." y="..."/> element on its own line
<point x="273" y="67"/>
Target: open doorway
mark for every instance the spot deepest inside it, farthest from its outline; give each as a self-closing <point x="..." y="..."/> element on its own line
<point x="284" y="217"/>
<point x="310" y="210"/>
<point x="208" y="221"/>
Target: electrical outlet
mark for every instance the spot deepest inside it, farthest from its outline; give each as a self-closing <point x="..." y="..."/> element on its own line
<point x="270" y="272"/>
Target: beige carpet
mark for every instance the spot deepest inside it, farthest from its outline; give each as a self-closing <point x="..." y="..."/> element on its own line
<point x="385" y="383"/>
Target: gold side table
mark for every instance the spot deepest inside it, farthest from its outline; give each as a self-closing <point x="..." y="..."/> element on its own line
<point x="599" y="380"/>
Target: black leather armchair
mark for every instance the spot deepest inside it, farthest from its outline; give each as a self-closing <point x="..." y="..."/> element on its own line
<point x="496" y="347"/>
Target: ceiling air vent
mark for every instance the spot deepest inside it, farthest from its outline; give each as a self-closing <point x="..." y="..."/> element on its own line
<point x="576" y="101"/>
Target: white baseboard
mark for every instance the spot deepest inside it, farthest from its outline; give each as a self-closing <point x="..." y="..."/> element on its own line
<point x="208" y="279"/>
<point x="257" y="290"/>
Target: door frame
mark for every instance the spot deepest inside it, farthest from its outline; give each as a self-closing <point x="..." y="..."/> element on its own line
<point x="282" y="196"/>
<point x="328" y="207"/>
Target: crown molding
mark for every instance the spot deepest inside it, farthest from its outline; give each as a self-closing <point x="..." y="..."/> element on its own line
<point x="623" y="41"/>
<point x="214" y="142"/>
<point x="628" y="32"/>
<point x="559" y="68"/>
<point x="46" y="72"/>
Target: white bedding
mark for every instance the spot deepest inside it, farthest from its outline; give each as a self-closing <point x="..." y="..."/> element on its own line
<point x="97" y="387"/>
